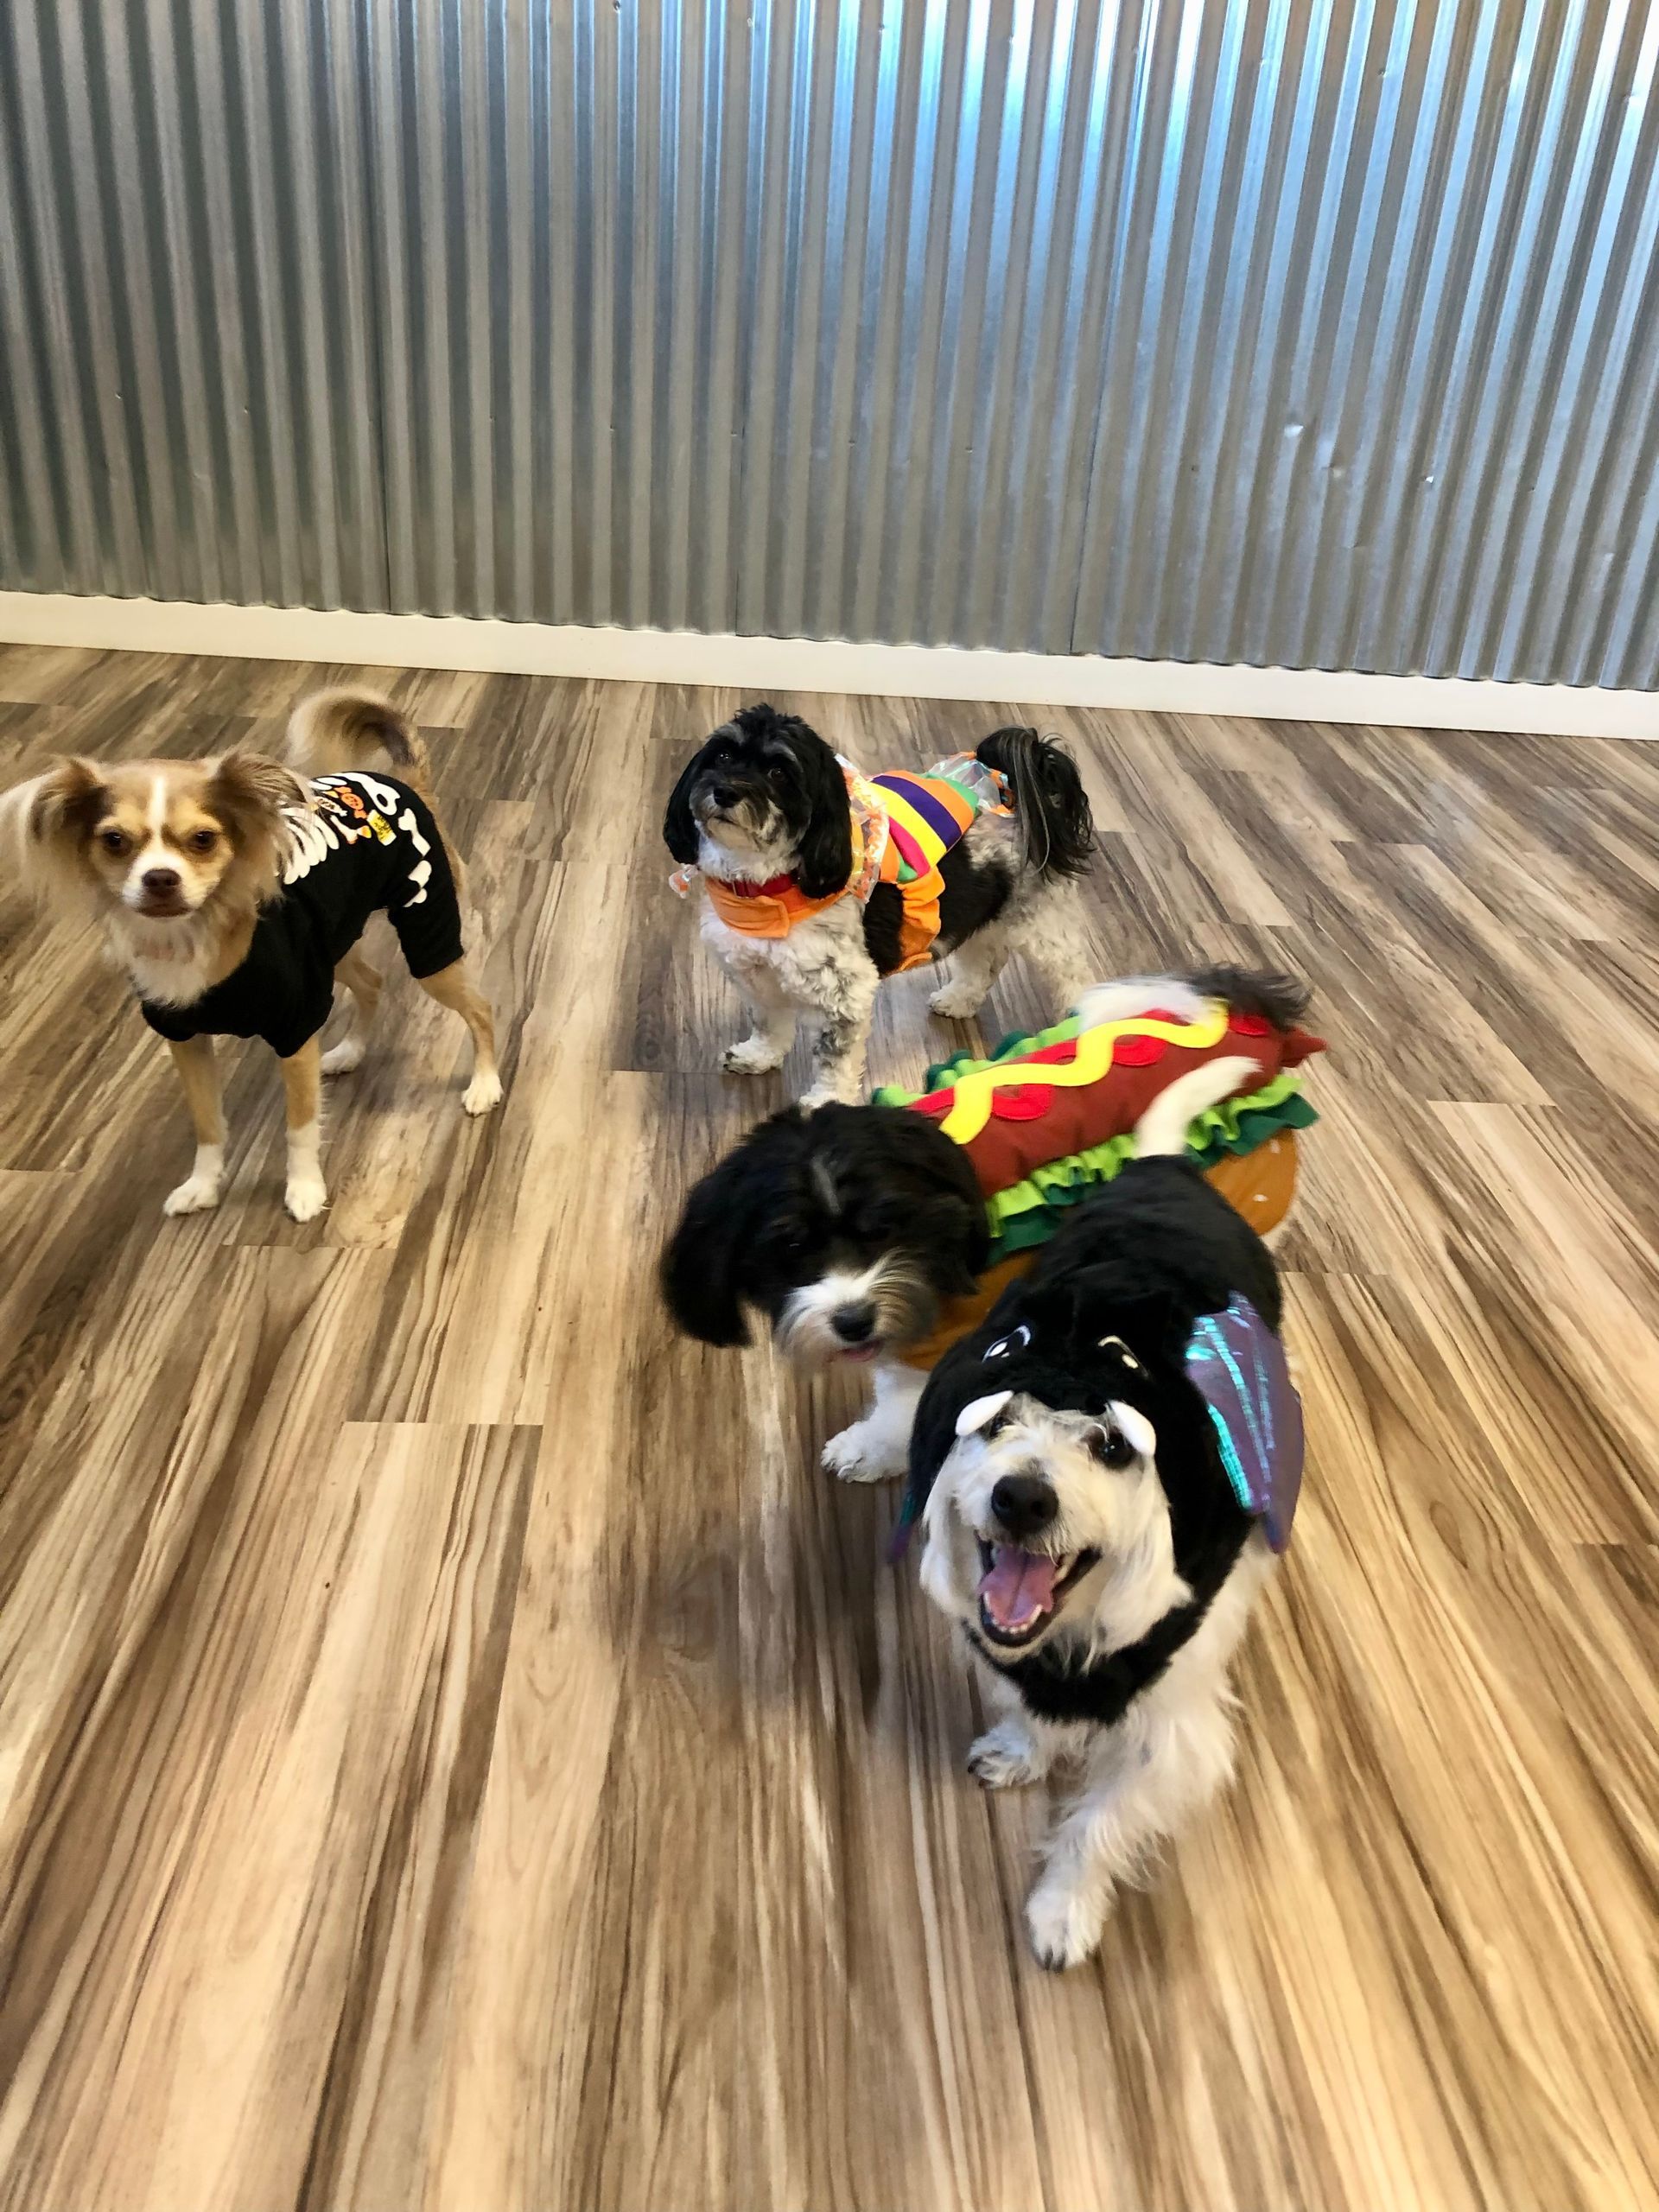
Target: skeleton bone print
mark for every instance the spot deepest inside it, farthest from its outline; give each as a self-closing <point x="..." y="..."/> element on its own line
<point x="347" y="808"/>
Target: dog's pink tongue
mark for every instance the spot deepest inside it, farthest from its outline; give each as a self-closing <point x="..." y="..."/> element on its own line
<point x="1017" y="1587"/>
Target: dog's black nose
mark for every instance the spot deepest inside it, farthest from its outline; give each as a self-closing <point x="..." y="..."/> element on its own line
<point x="1023" y="1504"/>
<point x="854" y="1325"/>
<point x="161" y="881"/>
<point x="723" y="795"/>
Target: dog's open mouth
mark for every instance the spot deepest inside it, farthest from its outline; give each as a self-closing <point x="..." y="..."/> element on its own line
<point x="1020" y="1591"/>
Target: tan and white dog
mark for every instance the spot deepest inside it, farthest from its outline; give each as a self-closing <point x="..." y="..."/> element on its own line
<point x="233" y="891"/>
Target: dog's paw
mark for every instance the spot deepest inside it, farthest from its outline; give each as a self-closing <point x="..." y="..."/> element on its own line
<point x="845" y="1089"/>
<point x="341" y="1058"/>
<point x="482" y="1093"/>
<point x="1005" y="1758"/>
<point x="957" y="1001"/>
<point x="1064" y="1921"/>
<point x="305" y="1197"/>
<point x="196" y="1194"/>
<point x="751" y="1056"/>
<point x="860" y="1454"/>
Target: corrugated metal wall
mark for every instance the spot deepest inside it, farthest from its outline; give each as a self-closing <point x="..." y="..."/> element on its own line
<point x="1302" y="331"/>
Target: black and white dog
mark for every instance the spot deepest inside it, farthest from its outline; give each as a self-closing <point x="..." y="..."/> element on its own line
<point x="764" y="808"/>
<point x="1081" y="1526"/>
<point x="848" y="1228"/>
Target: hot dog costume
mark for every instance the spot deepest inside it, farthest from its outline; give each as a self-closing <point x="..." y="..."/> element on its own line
<point x="1049" y="1117"/>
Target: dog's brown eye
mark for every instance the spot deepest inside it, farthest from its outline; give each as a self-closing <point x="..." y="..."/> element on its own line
<point x="203" y="841"/>
<point x="114" y="840"/>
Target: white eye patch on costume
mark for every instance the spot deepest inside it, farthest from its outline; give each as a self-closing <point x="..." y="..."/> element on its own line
<point x="979" y="1413"/>
<point x="1129" y="1422"/>
<point x="1016" y="1340"/>
<point x="1133" y="1428"/>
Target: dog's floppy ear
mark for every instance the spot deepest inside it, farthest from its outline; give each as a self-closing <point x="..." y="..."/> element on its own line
<point x="940" y="1188"/>
<point x="246" y="784"/>
<point x="823" y="858"/>
<point x="699" y="1264"/>
<point x="45" y="823"/>
<point x="679" y="829"/>
<point x="68" y="797"/>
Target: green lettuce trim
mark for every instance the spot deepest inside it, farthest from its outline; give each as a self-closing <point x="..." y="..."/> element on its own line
<point x="1028" y="1212"/>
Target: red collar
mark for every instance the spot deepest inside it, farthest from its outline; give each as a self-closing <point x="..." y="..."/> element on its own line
<point x="773" y="887"/>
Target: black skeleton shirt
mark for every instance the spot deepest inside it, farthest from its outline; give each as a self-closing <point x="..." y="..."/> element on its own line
<point x="370" y="844"/>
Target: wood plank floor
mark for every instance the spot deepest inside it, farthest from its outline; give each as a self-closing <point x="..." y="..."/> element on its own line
<point x="458" y="1751"/>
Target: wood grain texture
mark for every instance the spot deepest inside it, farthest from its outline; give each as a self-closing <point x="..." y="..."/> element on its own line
<point x="457" y="1751"/>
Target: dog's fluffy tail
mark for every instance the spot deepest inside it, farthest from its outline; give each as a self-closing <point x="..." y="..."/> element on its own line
<point x="1282" y="1000"/>
<point x="1278" y="998"/>
<point x="1160" y="1133"/>
<point x="332" y="730"/>
<point x="1049" y="803"/>
<point x="1133" y="996"/>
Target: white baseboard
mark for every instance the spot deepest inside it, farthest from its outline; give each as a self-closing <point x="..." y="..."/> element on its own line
<point x="457" y="641"/>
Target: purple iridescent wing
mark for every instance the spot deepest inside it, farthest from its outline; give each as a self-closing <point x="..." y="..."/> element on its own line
<point x="1238" y="1365"/>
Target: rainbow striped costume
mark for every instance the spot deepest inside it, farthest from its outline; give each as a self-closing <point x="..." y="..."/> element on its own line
<point x="904" y="823"/>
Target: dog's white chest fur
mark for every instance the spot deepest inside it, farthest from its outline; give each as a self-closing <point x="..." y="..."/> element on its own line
<point x="167" y="965"/>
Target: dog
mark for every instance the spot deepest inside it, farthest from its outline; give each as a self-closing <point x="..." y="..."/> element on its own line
<point x="818" y="883"/>
<point x="856" y="1231"/>
<point x="233" y="891"/>
<point x="1082" y="1529"/>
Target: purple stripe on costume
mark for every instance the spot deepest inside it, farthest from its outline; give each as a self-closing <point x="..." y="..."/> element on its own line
<point x="946" y="826"/>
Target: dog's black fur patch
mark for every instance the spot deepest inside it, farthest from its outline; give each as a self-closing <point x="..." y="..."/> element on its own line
<point x="1140" y="1261"/>
<point x="777" y="759"/>
<point x="806" y="1190"/>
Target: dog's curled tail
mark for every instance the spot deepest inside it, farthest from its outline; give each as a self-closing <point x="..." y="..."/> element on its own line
<point x="1049" y="801"/>
<point x="1160" y="1133"/>
<point x="1278" y="998"/>
<point x="332" y="730"/>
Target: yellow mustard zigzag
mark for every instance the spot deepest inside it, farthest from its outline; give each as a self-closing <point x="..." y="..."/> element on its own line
<point x="972" y="1108"/>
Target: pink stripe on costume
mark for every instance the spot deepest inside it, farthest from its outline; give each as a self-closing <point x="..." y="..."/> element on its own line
<point x="915" y="856"/>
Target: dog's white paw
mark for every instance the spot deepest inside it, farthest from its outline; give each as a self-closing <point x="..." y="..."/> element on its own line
<point x="862" y="1454"/>
<point x="1005" y="1758"/>
<point x="820" y="1094"/>
<point x="305" y="1197"/>
<point x="196" y="1194"/>
<point x="481" y="1094"/>
<point x="752" y="1056"/>
<point x="341" y="1058"/>
<point x="1065" y="1920"/>
<point x="957" y="1001"/>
